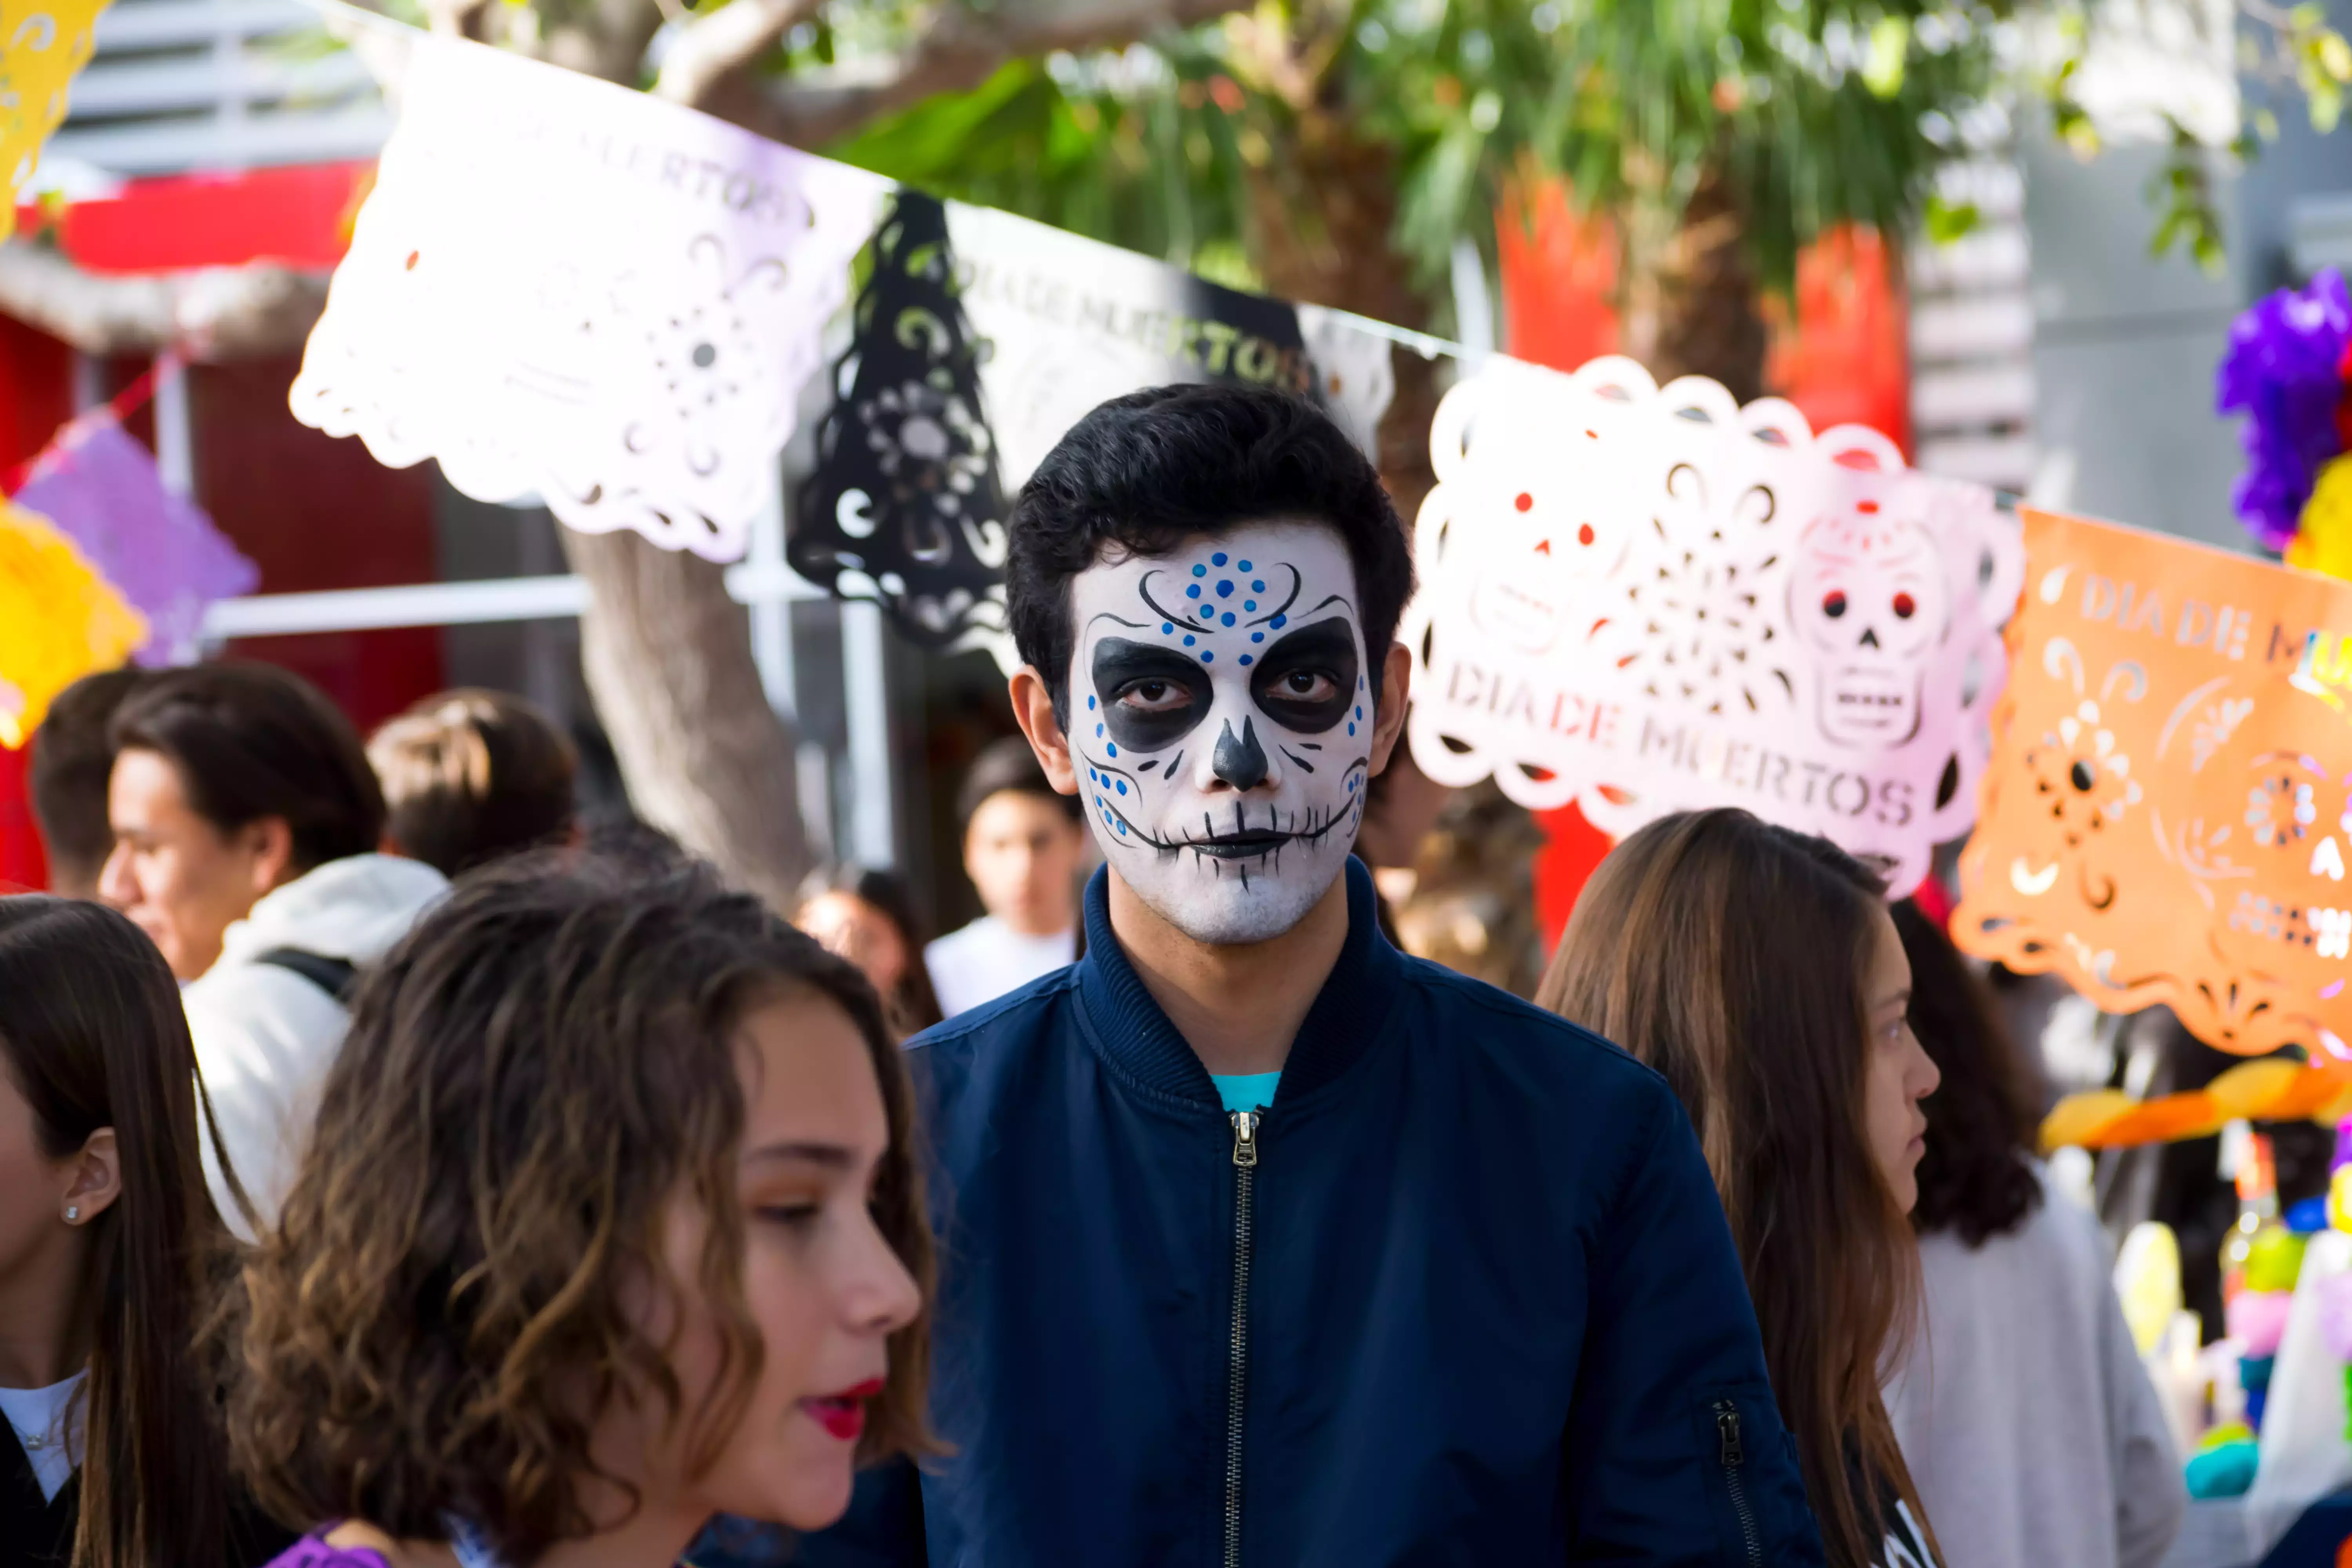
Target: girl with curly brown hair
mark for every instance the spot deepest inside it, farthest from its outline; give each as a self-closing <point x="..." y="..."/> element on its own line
<point x="608" y="1224"/>
<point x="1757" y="969"/>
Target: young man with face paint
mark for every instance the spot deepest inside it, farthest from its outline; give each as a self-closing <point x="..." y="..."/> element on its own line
<point x="1264" y="1243"/>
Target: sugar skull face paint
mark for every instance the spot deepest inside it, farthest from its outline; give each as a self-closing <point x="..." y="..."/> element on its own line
<point x="1221" y="724"/>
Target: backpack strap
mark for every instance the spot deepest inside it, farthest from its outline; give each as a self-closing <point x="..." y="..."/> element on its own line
<point x="337" y="977"/>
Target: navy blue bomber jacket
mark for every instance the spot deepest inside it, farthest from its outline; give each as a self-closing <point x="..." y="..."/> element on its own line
<point x="1465" y="1295"/>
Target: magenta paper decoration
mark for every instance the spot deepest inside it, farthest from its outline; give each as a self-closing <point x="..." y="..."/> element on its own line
<point x="1649" y="599"/>
<point x="101" y="487"/>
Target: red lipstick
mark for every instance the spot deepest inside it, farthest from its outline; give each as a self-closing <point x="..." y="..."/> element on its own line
<point x="843" y="1414"/>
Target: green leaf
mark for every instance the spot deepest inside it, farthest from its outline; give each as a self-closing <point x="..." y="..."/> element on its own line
<point x="2333" y="55"/>
<point x="1947" y="221"/>
<point x="2326" y="109"/>
<point x="1890" y="38"/>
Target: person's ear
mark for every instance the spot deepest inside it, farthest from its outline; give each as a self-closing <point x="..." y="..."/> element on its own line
<point x="97" y="1179"/>
<point x="268" y="843"/>
<point x="1396" y="681"/>
<point x="1033" y="710"/>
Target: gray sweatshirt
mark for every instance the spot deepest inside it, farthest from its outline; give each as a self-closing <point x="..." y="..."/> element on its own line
<point x="2029" y="1424"/>
<point x="266" y="1037"/>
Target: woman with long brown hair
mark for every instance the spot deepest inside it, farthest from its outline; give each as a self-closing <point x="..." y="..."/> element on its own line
<point x="1758" y="971"/>
<point x="107" y="1241"/>
<point x="609" y="1223"/>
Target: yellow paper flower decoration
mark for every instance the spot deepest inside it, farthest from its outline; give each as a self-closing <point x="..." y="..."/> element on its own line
<point x="42" y="44"/>
<point x="2323" y="542"/>
<point x="59" y="620"/>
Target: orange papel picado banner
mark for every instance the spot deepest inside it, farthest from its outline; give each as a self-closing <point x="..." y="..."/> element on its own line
<point x="2168" y="816"/>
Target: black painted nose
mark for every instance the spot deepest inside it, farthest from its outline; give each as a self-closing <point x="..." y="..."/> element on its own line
<point x="1240" y="762"/>
<point x="1870" y="637"/>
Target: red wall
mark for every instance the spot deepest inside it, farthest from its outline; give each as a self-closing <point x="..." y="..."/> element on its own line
<point x="36" y="396"/>
<point x="316" y="512"/>
<point x="313" y="512"/>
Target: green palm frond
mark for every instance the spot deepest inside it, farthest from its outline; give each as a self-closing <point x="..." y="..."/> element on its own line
<point x="1818" y="113"/>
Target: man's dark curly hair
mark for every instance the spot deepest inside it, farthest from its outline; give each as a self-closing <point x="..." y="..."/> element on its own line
<point x="1145" y="472"/>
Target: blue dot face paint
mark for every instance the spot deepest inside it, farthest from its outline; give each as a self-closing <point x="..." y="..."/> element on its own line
<point x="1228" y="783"/>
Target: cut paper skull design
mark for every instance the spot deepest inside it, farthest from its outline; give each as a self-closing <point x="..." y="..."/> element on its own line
<point x="1651" y="599"/>
<point x="904" y="506"/>
<point x="981" y="338"/>
<point x="1868" y="597"/>
<point x="565" y="289"/>
<point x="2168" y="811"/>
<point x="1220" y="713"/>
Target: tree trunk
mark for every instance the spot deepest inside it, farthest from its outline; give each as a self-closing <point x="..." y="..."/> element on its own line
<point x="667" y="652"/>
<point x="1691" y="305"/>
<point x="1323" y="208"/>
<point x="669" y="659"/>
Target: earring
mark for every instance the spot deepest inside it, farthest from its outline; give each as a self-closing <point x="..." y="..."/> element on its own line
<point x="73" y="1215"/>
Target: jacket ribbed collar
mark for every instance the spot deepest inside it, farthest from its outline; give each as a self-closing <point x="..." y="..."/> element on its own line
<point x="1358" y="1000"/>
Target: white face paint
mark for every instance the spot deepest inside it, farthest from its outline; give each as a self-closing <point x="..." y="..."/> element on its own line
<point x="1221" y="725"/>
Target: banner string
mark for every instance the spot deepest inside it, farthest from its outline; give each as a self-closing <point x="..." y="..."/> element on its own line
<point x="343" y="13"/>
<point x="117" y="408"/>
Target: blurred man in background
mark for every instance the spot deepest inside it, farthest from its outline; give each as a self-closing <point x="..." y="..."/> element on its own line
<point x="470" y="776"/>
<point x="65" y="777"/>
<point x="246" y="828"/>
<point x="1022" y="845"/>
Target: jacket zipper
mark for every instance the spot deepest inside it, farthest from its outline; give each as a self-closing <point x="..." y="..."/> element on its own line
<point x="1237" y="1363"/>
<point x="1733" y="1456"/>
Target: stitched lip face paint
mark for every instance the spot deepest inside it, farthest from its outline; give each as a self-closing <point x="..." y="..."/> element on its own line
<point x="1220" y="723"/>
